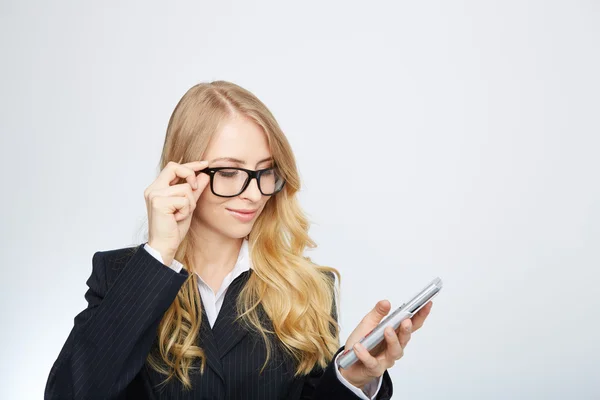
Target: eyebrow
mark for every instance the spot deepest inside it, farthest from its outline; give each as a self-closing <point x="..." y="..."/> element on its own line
<point x="238" y="161"/>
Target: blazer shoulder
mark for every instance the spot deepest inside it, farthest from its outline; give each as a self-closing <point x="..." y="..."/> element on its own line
<point x="118" y="256"/>
<point x="112" y="261"/>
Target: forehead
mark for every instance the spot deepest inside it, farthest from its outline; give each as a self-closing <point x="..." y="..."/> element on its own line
<point x="239" y="137"/>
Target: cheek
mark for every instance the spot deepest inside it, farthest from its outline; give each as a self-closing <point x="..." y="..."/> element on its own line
<point x="209" y="206"/>
<point x="262" y="205"/>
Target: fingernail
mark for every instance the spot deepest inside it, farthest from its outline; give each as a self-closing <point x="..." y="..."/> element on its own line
<point x="389" y="332"/>
<point x="358" y="347"/>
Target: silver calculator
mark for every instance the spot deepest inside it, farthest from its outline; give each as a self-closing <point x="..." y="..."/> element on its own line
<point x="375" y="338"/>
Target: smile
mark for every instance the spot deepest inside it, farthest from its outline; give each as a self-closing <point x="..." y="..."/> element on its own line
<point x="243" y="215"/>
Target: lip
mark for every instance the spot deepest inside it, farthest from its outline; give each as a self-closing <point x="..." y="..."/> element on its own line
<point x="242" y="215"/>
<point x="242" y="211"/>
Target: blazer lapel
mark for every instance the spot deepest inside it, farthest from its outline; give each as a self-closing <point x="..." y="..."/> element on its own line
<point x="209" y="345"/>
<point x="226" y="330"/>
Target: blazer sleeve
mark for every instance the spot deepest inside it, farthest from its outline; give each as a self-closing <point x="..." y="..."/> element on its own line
<point x="112" y="337"/>
<point x="323" y="384"/>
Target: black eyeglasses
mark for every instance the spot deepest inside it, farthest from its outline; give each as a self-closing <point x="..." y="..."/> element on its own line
<point x="231" y="182"/>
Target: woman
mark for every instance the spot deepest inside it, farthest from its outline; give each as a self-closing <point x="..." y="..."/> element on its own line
<point x="220" y="303"/>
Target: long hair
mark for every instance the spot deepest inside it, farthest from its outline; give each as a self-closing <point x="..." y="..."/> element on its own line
<point x="297" y="295"/>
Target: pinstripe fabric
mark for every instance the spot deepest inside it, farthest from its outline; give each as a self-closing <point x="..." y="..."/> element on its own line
<point x="129" y="291"/>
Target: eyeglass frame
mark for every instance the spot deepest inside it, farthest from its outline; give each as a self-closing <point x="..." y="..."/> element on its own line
<point x="251" y="175"/>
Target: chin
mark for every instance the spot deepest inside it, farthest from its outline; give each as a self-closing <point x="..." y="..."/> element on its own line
<point x="239" y="232"/>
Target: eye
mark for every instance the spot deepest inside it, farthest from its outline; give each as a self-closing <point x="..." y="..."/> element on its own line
<point x="228" y="173"/>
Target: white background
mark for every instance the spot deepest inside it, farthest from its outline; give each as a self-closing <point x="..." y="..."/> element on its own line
<point x="434" y="138"/>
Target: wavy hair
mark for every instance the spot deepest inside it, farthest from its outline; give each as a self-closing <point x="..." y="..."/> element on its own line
<point x="297" y="295"/>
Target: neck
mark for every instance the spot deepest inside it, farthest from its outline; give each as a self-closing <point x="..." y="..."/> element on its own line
<point x="215" y="255"/>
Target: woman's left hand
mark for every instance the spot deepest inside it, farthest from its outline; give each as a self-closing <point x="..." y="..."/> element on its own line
<point x="369" y="367"/>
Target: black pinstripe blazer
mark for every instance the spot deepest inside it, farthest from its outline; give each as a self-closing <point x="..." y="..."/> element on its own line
<point x="129" y="291"/>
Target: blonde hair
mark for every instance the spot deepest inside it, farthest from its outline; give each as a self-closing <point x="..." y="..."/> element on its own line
<point x="296" y="294"/>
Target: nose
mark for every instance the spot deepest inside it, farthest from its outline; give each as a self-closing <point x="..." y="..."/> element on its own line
<point x="252" y="192"/>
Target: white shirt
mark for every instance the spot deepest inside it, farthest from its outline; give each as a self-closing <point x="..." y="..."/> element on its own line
<point x="212" y="303"/>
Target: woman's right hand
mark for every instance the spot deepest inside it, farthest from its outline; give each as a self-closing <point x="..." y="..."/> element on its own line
<point x="170" y="206"/>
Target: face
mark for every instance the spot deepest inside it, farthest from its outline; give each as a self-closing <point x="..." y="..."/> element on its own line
<point x="239" y="143"/>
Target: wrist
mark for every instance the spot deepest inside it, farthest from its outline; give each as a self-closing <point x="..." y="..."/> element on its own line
<point x="359" y="385"/>
<point x="166" y="255"/>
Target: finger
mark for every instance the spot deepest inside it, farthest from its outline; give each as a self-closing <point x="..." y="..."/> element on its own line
<point x="381" y="309"/>
<point x="370" y="362"/>
<point x="176" y="205"/>
<point x="419" y="318"/>
<point x="173" y="172"/>
<point x="182" y="213"/>
<point x="404" y="333"/>
<point x="394" y="351"/>
<point x="181" y="190"/>
<point x="196" y="167"/>
<point x="191" y="175"/>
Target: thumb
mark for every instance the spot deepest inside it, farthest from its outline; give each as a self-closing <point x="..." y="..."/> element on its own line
<point x="381" y="309"/>
<point x="202" y="180"/>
